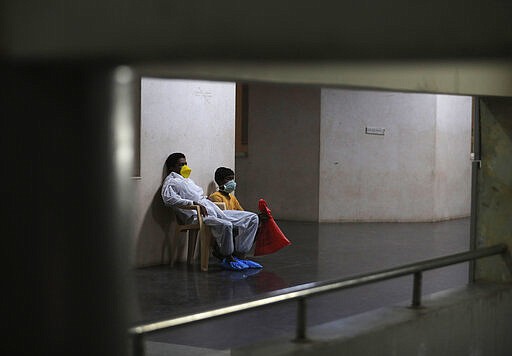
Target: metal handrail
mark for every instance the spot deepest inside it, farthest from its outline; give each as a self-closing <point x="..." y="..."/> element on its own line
<point x="304" y="291"/>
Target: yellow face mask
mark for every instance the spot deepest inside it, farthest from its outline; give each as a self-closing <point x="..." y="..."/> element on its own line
<point x="185" y="171"/>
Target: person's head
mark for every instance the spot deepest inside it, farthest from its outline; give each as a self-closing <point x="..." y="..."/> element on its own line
<point x="175" y="161"/>
<point x="224" y="175"/>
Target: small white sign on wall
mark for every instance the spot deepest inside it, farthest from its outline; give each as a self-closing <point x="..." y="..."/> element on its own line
<point x="374" y="130"/>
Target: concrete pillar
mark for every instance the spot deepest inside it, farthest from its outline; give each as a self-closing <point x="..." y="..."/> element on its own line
<point x="65" y="227"/>
<point x="494" y="191"/>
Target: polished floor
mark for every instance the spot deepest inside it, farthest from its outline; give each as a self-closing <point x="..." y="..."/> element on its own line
<point x="318" y="252"/>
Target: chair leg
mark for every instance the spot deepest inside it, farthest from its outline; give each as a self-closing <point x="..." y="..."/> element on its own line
<point x="205" y="247"/>
<point x="192" y="243"/>
<point x="172" y="246"/>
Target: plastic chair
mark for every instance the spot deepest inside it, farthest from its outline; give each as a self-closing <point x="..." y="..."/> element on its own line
<point x="192" y="230"/>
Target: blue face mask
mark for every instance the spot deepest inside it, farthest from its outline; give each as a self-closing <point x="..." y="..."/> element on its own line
<point x="230" y="186"/>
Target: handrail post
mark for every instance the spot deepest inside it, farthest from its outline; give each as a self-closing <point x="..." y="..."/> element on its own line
<point x="301" y="320"/>
<point x="416" y="291"/>
<point x="138" y="344"/>
<point x="476" y="164"/>
<point x="507" y="259"/>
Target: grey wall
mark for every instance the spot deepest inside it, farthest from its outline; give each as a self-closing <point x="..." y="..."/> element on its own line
<point x="309" y="156"/>
<point x="377" y="178"/>
<point x="494" y="194"/>
<point x="419" y="170"/>
<point x="196" y="118"/>
<point x="282" y="162"/>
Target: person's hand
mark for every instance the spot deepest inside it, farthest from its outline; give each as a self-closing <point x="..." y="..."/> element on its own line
<point x="202" y="209"/>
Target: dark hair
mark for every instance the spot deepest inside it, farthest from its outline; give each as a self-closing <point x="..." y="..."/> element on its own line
<point x="173" y="158"/>
<point x="221" y="173"/>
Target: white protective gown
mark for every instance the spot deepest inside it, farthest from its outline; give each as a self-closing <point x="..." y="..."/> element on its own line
<point x="178" y="191"/>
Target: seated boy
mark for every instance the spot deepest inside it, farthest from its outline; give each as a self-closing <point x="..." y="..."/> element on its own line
<point x="225" y="179"/>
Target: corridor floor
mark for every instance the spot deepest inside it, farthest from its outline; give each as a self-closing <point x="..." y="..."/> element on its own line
<point x="318" y="252"/>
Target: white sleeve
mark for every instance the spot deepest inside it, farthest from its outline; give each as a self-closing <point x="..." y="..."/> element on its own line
<point x="172" y="198"/>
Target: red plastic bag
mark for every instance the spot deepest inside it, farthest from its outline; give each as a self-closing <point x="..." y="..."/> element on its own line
<point x="270" y="238"/>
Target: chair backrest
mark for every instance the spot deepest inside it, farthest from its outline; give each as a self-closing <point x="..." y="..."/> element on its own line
<point x="206" y="238"/>
<point x="197" y="224"/>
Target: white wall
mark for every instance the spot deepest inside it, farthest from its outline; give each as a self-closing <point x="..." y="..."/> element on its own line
<point x="453" y="165"/>
<point x="308" y="154"/>
<point x="192" y="117"/>
<point x="282" y="163"/>
<point x="417" y="171"/>
<point x="377" y="178"/>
